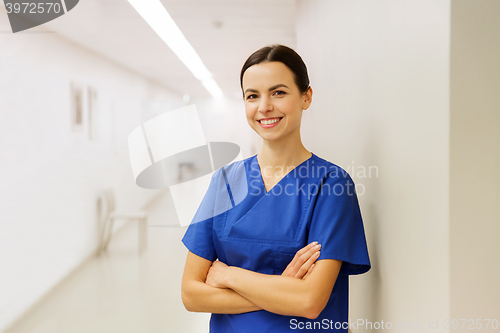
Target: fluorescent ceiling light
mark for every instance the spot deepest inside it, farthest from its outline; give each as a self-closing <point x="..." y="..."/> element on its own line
<point x="212" y="88"/>
<point x="159" y="19"/>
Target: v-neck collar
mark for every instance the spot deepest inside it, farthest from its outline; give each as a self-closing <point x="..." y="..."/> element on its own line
<point x="285" y="176"/>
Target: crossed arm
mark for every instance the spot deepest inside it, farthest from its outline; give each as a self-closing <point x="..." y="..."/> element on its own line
<point x="300" y="291"/>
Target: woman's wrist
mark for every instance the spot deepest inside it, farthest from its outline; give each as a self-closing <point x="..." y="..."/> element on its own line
<point x="228" y="276"/>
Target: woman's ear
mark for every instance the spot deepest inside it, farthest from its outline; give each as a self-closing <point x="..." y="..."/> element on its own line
<point x="307" y="98"/>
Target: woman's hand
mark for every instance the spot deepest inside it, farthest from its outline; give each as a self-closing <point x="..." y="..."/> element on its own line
<point x="216" y="274"/>
<point x="300" y="266"/>
<point x="303" y="262"/>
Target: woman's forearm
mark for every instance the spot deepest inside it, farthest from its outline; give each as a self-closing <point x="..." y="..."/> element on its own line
<point x="205" y="292"/>
<point x="201" y="297"/>
<point x="275" y="293"/>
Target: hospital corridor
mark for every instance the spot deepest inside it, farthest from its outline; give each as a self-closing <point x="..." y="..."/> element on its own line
<point x="131" y="133"/>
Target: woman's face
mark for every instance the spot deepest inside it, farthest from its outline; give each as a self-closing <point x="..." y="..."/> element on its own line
<point x="270" y="93"/>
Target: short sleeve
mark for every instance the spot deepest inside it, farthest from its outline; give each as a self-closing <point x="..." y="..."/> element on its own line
<point x="199" y="235"/>
<point x="337" y="224"/>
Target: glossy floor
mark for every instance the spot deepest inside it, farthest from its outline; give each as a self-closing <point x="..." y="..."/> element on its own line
<point x="121" y="291"/>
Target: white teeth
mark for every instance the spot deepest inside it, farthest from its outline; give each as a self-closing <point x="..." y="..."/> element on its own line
<point x="269" y="122"/>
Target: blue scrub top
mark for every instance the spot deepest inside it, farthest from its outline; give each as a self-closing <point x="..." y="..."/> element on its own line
<point x="242" y="225"/>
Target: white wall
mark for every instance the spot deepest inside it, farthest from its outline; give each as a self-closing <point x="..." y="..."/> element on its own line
<point x="380" y="77"/>
<point x="475" y="162"/>
<point x="49" y="175"/>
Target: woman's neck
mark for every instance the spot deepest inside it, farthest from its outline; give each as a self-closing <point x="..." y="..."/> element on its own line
<point x="282" y="154"/>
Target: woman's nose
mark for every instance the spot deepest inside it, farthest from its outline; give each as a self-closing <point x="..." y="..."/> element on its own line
<point x="265" y="105"/>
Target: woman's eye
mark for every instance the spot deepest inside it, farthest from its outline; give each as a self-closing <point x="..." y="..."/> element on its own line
<point x="279" y="91"/>
<point x="248" y="97"/>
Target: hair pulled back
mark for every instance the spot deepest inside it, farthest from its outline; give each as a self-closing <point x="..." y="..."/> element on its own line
<point x="284" y="54"/>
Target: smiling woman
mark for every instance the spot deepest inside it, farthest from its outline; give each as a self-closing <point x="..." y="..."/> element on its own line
<point x="279" y="106"/>
<point x="257" y="267"/>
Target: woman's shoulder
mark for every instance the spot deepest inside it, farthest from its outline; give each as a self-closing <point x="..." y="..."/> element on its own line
<point x="329" y="169"/>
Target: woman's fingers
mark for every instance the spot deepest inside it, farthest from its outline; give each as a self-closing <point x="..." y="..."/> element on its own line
<point x="298" y="260"/>
<point x="308" y="272"/>
<point x="308" y="264"/>
<point x="302" y="261"/>
<point x="302" y="251"/>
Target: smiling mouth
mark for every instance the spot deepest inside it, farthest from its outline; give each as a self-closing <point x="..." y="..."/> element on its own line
<point x="270" y="121"/>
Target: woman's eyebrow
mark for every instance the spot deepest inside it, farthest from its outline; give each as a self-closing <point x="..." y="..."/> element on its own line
<point x="272" y="88"/>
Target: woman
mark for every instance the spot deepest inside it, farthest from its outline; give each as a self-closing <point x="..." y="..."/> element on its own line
<point x="263" y="280"/>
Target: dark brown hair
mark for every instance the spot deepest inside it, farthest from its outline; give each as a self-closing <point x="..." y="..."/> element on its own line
<point x="284" y="54"/>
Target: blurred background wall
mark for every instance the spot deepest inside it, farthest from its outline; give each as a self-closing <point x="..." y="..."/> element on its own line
<point x="475" y="161"/>
<point x="51" y="176"/>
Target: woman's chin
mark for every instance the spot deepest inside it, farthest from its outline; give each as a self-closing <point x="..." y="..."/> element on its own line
<point x="271" y="137"/>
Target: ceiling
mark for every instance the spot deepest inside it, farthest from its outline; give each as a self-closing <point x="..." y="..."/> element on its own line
<point x="223" y="32"/>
